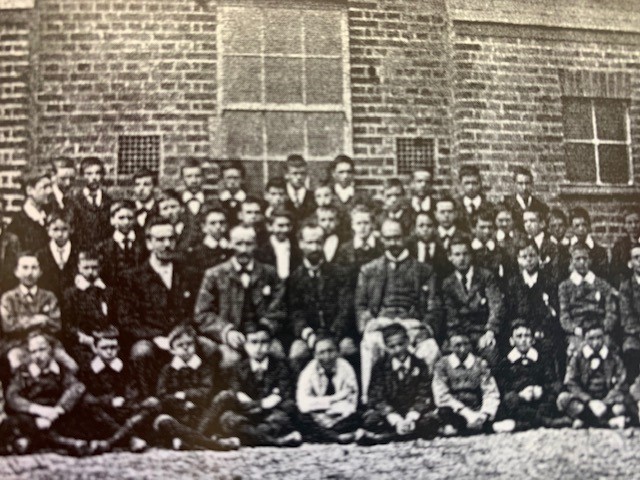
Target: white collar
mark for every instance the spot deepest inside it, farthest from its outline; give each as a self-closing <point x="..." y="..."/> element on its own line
<point x="145" y="206"/>
<point x="187" y="196"/>
<point x="397" y="364"/>
<point x="276" y="244"/>
<point x="475" y="201"/>
<point x="98" y="365"/>
<point x="423" y="205"/>
<point x="212" y="243"/>
<point x="455" y="362"/>
<point x="239" y="268"/>
<point x="119" y="237"/>
<point x="58" y="195"/>
<point x="637" y="277"/>
<point x="467" y="276"/>
<point x="369" y="242"/>
<point x="308" y="266"/>
<point x="262" y="366"/>
<point x="530" y="278"/>
<point x="28" y="291"/>
<point x="446" y="232"/>
<point x="344" y="193"/>
<point x="588" y="352"/>
<point x="577" y="279"/>
<point x="87" y="193"/>
<point x="82" y="283"/>
<point x="65" y="250"/>
<point x="193" y="363"/>
<point x="521" y="201"/>
<point x="36" y="371"/>
<point x="297" y="194"/>
<point x="240" y="196"/>
<point x="515" y="355"/>
<point x="539" y="239"/>
<point x="588" y="241"/>
<point x="31" y="210"/>
<point x="399" y="259"/>
<point x="476" y="244"/>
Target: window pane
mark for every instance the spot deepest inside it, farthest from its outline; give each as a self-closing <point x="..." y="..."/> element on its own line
<point x="326" y="134"/>
<point x="244" y="133"/>
<point x="578" y="123"/>
<point x="283" y="78"/>
<point x="241" y="79"/>
<point x="285" y="133"/>
<point x="241" y="30"/>
<point x="614" y="163"/>
<point x="283" y="31"/>
<point x="610" y="120"/>
<point x="322" y="32"/>
<point x="580" y="162"/>
<point x="324" y="80"/>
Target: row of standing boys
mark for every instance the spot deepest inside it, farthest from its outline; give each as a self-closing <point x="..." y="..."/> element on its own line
<point x="312" y="313"/>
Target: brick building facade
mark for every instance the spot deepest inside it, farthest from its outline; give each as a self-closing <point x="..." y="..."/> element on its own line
<point x="395" y="83"/>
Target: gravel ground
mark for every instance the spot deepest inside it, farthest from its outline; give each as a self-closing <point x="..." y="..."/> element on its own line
<point x="544" y="454"/>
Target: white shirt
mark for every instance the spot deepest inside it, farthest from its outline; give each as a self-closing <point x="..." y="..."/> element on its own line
<point x="394" y="261"/>
<point x="472" y="204"/>
<point x="423" y="205"/>
<point x="82" y="283"/>
<point x="212" y="243"/>
<point x="370" y="242"/>
<point x="330" y="247"/>
<point x="60" y="254"/>
<point x="577" y="279"/>
<point x="476" y="244"/>
<point x="588" y="241"/>
<point x="98" y="365"/>
<point x="36" y="371"/>
<point x="397" y="365"/>
<point x="193" y="201"/>
<point x="239" y="197"/>
<point x="515" y="355"/>
<point x="119" y="238"/>
<point x="529" y="279"/>
<point x="465" y="280"/>
<point x="344" y="193"/>
<point x="98" y="196"/>
<point x="455" y="362"/>
<point x="259" y="366"/>
<point x="424" y="249"/>
<point x="31" y="211"/>
<point x="637" y="277"/>
<point x="245" y="276"/>
<point x="283" y="256"/>
<point x="446" y="232"/>
<point x="524" y="205"/>
<point x="296" y="196"/>
<point x="193" y="363"/>
<point x="58" y="196"/>
<point x="165" y="271"/>
<point x="539" y="239"/>
<point x="143" y="210"/>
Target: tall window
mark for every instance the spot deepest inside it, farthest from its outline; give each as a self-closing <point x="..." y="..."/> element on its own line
<point x="283" y="83"/>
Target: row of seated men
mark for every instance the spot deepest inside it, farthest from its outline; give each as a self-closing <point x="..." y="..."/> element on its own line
<point x="432" y="283"/>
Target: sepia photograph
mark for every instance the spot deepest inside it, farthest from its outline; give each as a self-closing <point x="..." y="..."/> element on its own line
<point x="319" y="239"/>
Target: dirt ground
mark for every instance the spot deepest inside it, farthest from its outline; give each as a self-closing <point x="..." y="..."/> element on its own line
<point x="541" y="454"/>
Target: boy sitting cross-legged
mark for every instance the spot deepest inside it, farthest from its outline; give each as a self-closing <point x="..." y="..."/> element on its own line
<point x="399" y="394"/>
<point x="528" y="384"/>
<point x="263" y="410"/>
<point x="187" y="389"/>
<point x="596" y="393"/>
<point x="464" y="390"/>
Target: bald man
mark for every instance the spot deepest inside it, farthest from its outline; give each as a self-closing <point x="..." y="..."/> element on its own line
<point x="236" y="292"/>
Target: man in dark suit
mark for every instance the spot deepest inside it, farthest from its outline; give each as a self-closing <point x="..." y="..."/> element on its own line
<point x="422" y="191"/>
<point x="551" y="256"/>
<point x="279" y="250"/>
<point x="396" y="288"/>
<point x="91" y="205"/>
<point x="59" y="258"/>
<point x="193" y="196"/>
<point x="473" y="198"/>
<point x="238" y="291"/>
<point x="344" y="185"/>
<point x="152" y="299"/>
<point x="144" y="184"/>
<point x="424" y="246"/>
<point x="473" y="301"/>
<point x="399" y="394"/>
<point x="580" y="222"/>
<point x="523" y="197"/>
<point x="297" y="186"/>
<point x="232" y="192"/>
<point x="317" y="300"/>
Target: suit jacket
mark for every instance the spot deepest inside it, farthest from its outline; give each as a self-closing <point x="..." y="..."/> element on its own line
<point x="267" y="255"/>
<point x="476" y="311"/>
<point x="115" y="262"/>
<point x="515" y="374"/>
<point x="388" y="393"/>
<point x="599" y="261"/>
<point x="578" y="303"/>
<point x="200" y="258"/>
<point x="579" y="374"/>
<point x="630" y="313"/>
<point x="406" y="217"/>
<point x="146" y="308"/>
<point x="31" y="235"/>
<point x="371" y="289"/>
<point x="53" y="278"/>
<point x="465" y="219"/>
<point x="85" y="310"/>
<point x="304" y="209"/>
<point x="440" y="261"/>
<point x="221" y="297"/>
<point x="512" y="203"/>
<point x="17" y="314"/>
<point x="92" y="224"/>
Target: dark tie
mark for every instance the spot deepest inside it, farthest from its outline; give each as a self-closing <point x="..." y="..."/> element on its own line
<point x="331" y="389"/>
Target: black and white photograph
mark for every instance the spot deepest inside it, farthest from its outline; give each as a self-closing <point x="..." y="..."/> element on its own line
<point x="319" y="239"/>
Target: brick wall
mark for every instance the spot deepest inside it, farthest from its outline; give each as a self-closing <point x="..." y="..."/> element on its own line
<point x="508" y="107"/>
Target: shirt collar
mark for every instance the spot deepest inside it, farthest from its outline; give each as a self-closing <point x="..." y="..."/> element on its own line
<point x="277" y="244"/>
<point x="240" y="196"/>
<point x="32" y="211"/>
<point x="98" y="365"/>
<point x="262" y="366"/>
<point x="58" y="195"/>
<point x="529" y="278"/>
<point x="239" y="268"/>
<point x="187" y="196"/>
<point x="476" y="244"/>
<point x="307" y="264"/>
<point x="193" y="363"/>
<point x="82" y="283"/>
<point x="397" y="364"/>
<point x="467" y="276"/>
<point x="539" y="239"/>
<point x="588" y="241"/>
<point x="589" y="352"/>
<point x="145" y="206"/>
<point x="159" y="267"/>
<point x="475" y="201"/>
<point x="399" y="259"/>
<point x="423" y="205"/>
<point x="119" y="237"/>
<point x="515" y="355"/>
<point x="577" y="279"/>
<point x="65" y="249"/>
<point x="212" y="243"/>
<point x="344" y="193"/>
<point x="297" y="194"/>
<point x="524" y="204"/>
<point x="446" y="232"/>
<point x="455" y="362"/>
<point x="36" y="371"/>
<point x="86" y="192"/>
<point x="370" y="242"/>
<point x="28" y="291"/>
<point x="637" y="277"/>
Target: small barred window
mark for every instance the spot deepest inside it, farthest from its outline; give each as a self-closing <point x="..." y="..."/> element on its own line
<point x="414" y="154"/>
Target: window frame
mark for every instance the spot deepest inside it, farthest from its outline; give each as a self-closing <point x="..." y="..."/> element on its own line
<point x="123" y="178"/>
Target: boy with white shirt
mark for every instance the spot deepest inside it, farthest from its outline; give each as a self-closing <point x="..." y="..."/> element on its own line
<point x="275" y="196"/>
<point x="193" y="197"/>
<point x="297" y="187"/>
<point x="421" y="191"/>
<point x="232" y="194"/>
<point x="58" y="259"/>
<point x="394" y="204"/>
<point x="464" y="390"/>
<point x="446" y="215"/>
<point x="473" y="198"/>
<point x="580" y="223"/>
<point x="279" y="250"/>
<point x="214" y="248"/>
<point x="487" y="253"/>
<point x="144" y="183"/>
<point x="582" y="296"/>
<point x="425" y="247"/>
<point x="327" y="218"/>
<point x="534" y="225"/>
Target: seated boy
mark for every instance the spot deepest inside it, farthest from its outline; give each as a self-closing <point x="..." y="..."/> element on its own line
<point x="528" y="385"/>
<point x="327" y="396"/>
<point x="58" y="260"/>
<point x="464" y="390"/>
<point x="584" y="295"/>
<point x="630" y="316"/>
<point x="41" y="402"/>
<point x="187" y="389"/>
<point x="400" y="399"/>
<point x="596" y="392"/>
<point x="264" y="409"/>
<point x="111" y="391"/>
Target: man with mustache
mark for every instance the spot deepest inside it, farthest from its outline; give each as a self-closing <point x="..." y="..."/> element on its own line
<point x="236" y="292"/>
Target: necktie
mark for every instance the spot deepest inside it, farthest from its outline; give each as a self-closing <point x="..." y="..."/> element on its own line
<point x="402" y="372"/>
<point x="61" y="262"/>
<point x="331" y="389"/>
<point x="93" y="198"/>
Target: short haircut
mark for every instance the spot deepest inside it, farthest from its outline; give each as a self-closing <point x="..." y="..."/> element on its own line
<point x="232" y="165"/>
<point x="558" y="213"/>
<point x="91" y="162"/>
<point x="393" y="330"/>
<point x="387" y="221"/>
<point x="190" y="163"/>
<point x="428" y="214"/>
<point x="62" y="162"/>
<point x="630" y="210"/>
<point x="323" y="183"/>
<point x="393" y="182"/>
<point x="444" y="198"/>
<point x="39" y="333"/>
<point x="519" y="323"/>
<point x="537" y="210"/>
<point x="25" y="253"/>
<point x="579" y="212"/>
<point x="429" y="170"/>
<point x="31" y="177"/>
<point x="634" y="246"/>
<point x="578" y="247"/>
<point x="89" y="254"/>
<point x="520" y="170"/>
<point x="592" y="322"/>
<point x="214" y="207"/>
<point x="281" y="212"/>
<point x="327" y="208"/>
<point x="502" y="207"/>
<point x="308" y="224"/>
<point x="341" y="159"/>
<point x="250" y="199"/>
<point x="255" y="327"/>
<point x="154" y="221"/>
<point x="459" y="239"/>
<point x="276" y="182"/>
<point x="296" y="161"/>
<point x="168" y="194"/>
<point x="523" y="243"/>
<point x="485" y="214"/>
<point x="455" y="332"/>
<point x="62" y="215"/>
<point x="121" y="205"/>
<point x="469" y="171"/>
<point x="241" y="227"/>
<point x="180" y="330"/>
<point x="360" y="208"/>
<point x="109" y="332"/>
<point x="325" y="336"/>
<point x="144" y="173"/>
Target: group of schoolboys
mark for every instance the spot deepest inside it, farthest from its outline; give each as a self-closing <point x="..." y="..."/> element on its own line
<point x="192" y="320"/>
